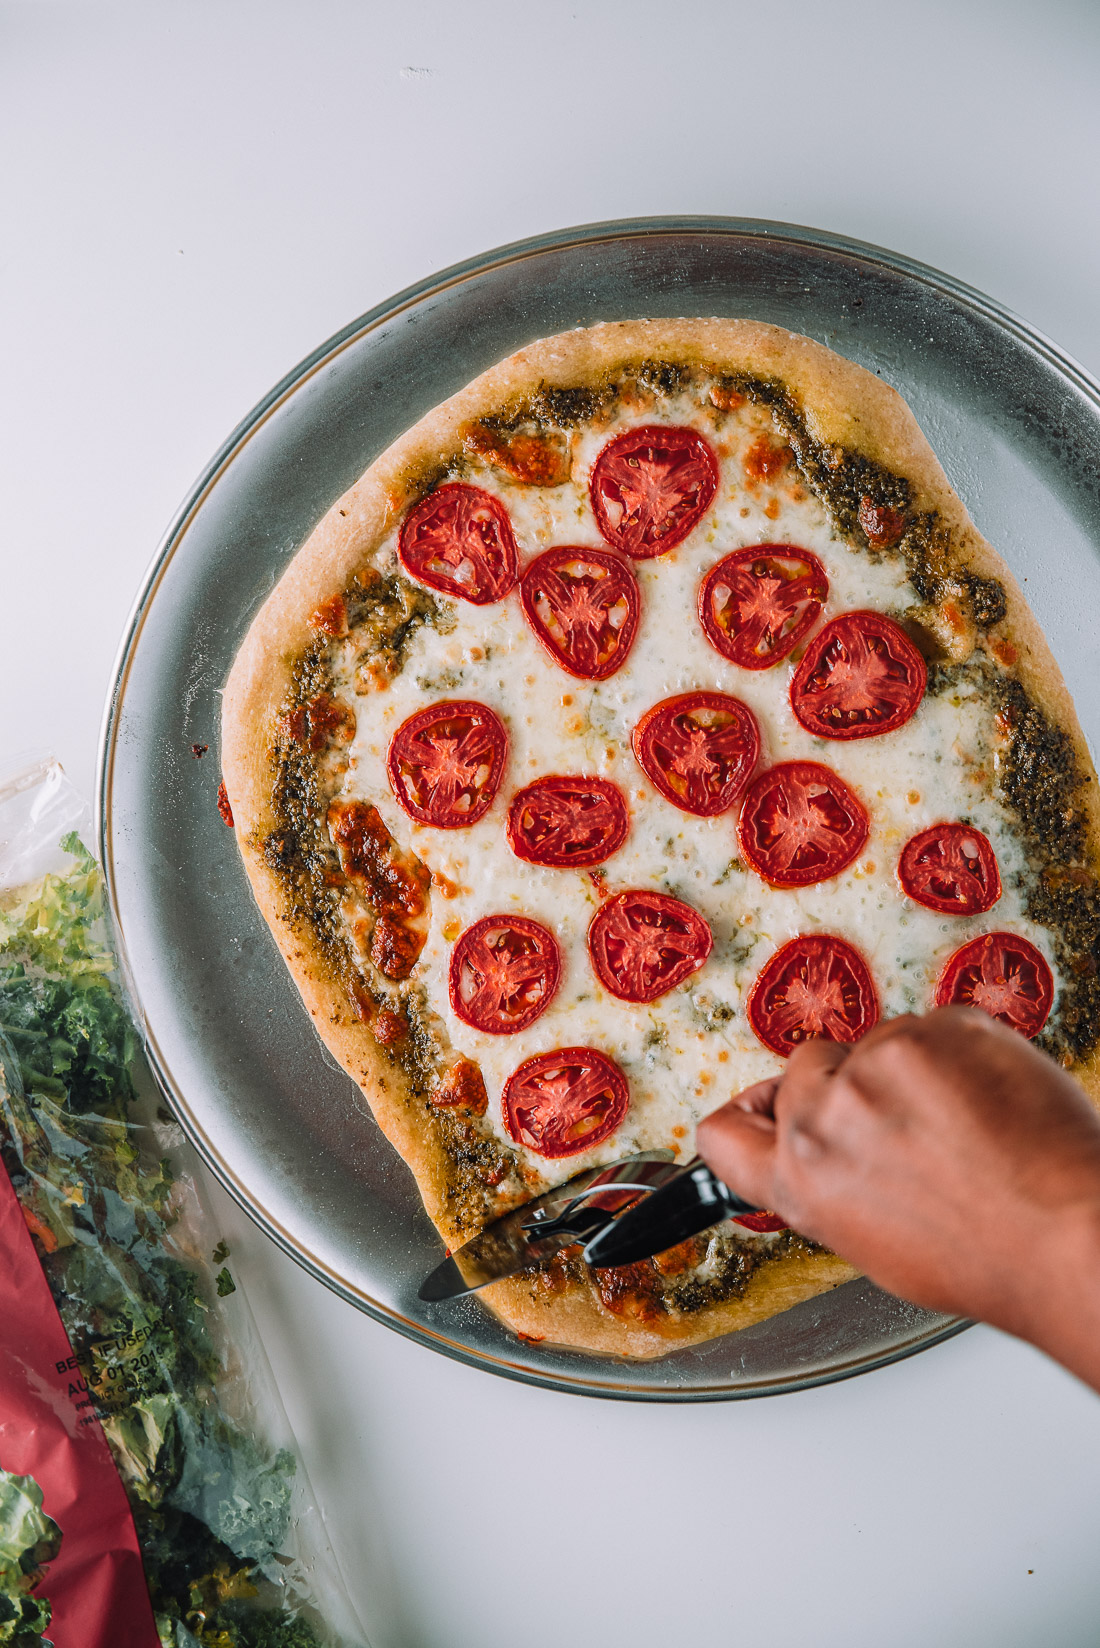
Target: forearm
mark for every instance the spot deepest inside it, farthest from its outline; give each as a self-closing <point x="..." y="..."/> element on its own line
<point x="1062" y="1314"/>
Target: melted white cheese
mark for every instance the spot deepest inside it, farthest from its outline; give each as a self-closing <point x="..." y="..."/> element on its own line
<point x="688" y="1052"/>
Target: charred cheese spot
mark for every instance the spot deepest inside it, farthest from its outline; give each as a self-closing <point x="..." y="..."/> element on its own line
<point x="374" y="675"/>
<point x="389" y="877"/>
<point x="724" y="398"/>
<point x="684" y="1256"/>
<point x="942" y="630"/>
<point x="629" y="1290"/>
<point x="389" y="1028"/>
<point x="881" y="524"/>
<point x="764" y="460"/>
<point x="1004" y="652"/>
<point x="389" y="880"/>
<point x="331" y="617"/>
<point x="533" y="460"/>
<point x="394" y="947"/>
<point x="463" y="1087"/>
<point x="323" y="720"/>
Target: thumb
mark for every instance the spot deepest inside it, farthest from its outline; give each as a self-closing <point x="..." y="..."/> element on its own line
<point x="738" y="1143"/>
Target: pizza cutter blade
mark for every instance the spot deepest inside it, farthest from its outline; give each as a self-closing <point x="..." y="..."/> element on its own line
<point x="569" y="1214"/>
<point x="690" y="1200"/>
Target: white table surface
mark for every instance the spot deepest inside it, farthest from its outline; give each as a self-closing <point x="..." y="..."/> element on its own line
<point x="199" y="191"/>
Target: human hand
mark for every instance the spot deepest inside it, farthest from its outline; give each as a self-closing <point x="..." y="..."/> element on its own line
<point x="949" y="1159"/>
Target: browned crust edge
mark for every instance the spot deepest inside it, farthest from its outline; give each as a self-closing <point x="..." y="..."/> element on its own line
<point x="576" y="1320"/>
<point x="843" y="405"/>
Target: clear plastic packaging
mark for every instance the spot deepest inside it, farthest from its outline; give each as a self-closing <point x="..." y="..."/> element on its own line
<point x="163" y="1362"/>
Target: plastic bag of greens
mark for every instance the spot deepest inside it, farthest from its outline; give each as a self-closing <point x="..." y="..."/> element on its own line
<point x="29" y="1539"/>
<point x="147" y="1494"/>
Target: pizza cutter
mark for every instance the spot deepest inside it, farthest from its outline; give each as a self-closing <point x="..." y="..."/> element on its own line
<point x="569" y="1214"/>
<point x="689" y="1200"/>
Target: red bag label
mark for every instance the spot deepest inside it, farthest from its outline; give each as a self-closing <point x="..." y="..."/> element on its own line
<point x="49" y="1431"/>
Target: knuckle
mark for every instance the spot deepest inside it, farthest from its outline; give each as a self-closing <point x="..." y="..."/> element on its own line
<point x="854" y="1095"/>
<point x="901" y="1040"/>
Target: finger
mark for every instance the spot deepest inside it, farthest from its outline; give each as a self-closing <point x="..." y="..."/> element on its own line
<point x="739" y="1145"/>
<point x="809" y="1070"/>
<point x="818" y="1054"/>
<point x="903" y="1025"/>
<point x="760" y="1097"/>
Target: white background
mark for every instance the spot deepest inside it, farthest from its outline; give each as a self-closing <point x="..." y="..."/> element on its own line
<point x="198" y="192"/>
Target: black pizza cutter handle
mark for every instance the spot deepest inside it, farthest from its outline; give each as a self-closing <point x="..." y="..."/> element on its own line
<point x="694" y="1200"/>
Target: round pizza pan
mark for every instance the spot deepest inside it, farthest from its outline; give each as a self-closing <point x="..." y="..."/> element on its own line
<point x="1015" y="424"/>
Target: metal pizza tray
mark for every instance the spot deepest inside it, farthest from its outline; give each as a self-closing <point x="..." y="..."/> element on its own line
<point x="1017" y="427"/>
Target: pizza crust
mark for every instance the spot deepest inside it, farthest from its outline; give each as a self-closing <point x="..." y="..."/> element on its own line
<point x="575" y="1320"/>
<point x="844" y="406"/>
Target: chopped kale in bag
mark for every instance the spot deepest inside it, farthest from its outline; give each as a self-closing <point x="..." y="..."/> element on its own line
<point x="88" y="1153"/>
<point x="29" y="1539"/>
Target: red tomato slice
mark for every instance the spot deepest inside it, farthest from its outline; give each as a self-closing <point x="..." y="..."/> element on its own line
<point x="459" y="540"/>
<point x="1005" y="976"/>
<point x="583" y="604"/>
<point x="951" y="868"/>
<point x="760" y="1221"/>
<point x="643" y="944"/>
<point x="814" y="986"/>
<point x="800" y="823"/>
<point x="698" y="749"/>
<point x="650" y="486"/>
<point x="445" y="763"/>
<point x="504" y="970"/>
<point x="567" y="823"/>
<point x="757" y="604"/>
<point x="861" y="676"/>
<point x="560" y="1103"/>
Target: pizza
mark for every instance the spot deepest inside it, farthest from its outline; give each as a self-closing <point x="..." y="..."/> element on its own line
<point x="651" y="706"/>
